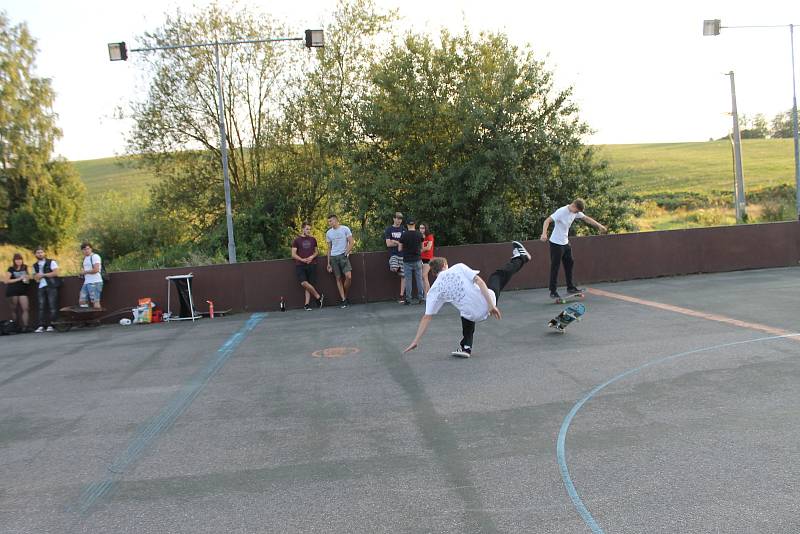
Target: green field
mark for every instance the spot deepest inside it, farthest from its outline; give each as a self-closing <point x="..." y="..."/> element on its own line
<point x="700" y="167"/>
<point x="112" y="174"/>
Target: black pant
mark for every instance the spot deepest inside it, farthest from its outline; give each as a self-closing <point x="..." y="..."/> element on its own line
<point x="559" y="254"/>
<point x="497" y="281"/>
<point x="47" y="299"/>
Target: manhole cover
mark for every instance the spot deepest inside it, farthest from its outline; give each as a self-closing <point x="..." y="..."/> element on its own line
<point x="334" y="352"/>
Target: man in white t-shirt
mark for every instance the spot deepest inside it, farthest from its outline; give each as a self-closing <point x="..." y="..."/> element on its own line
<point x="463" y="288"/>
<point x="340" y="244"/>
<point x="560" y="251"/>
<point x="92" y="287"/>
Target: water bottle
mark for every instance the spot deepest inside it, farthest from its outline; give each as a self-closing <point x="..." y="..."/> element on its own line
<point x="283" y="305"/>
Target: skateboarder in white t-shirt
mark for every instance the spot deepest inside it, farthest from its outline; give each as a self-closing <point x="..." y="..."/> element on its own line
<point x="463" y="288"/>
<point x="560" y="251"/>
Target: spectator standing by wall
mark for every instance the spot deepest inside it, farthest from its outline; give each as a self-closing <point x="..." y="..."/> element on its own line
<point x="427" y="254"/>
<point x="304" y="252"/>
<point x="340" y="243"/>
<point x="392" y="236"/>
<point x="46" y="275"/>
<point x="92" y="288"/>
<point x="411" y="246"/>
<point x="16" y="281"/>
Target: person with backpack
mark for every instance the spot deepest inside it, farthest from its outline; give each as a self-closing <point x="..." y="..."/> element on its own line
<point x="46" y="275"/>
<point x="17" y="292"/>
<point x="92" y="287"/>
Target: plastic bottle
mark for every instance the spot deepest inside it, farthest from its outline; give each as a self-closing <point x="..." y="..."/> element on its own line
<point x="283" y="305"/>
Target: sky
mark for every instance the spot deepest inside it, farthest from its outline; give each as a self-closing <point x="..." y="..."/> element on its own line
<point x="642" y="72"/>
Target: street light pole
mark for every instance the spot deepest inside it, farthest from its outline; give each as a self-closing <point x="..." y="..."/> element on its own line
<point x="712" y="28"/>
<point x="223" y="144"/>
<point x="738" y="184"/>
<point x="794" y="126"/>
<point x="313" y="39"/>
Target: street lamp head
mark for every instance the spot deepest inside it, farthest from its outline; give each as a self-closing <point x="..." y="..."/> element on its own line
<point x="315" y="39"/>
<point x="711" y="27"/>
<point x="117" y="51"/>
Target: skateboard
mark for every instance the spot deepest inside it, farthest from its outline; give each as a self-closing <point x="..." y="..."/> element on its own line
<point x="77" y="317"/>
<point x="569" y="298"/>
<point x="570" y="314"/>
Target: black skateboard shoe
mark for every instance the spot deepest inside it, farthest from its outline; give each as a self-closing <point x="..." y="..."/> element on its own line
<point x="520" y="251"/>
<point x="574" y="290"/>
<point x="462" y="352"/>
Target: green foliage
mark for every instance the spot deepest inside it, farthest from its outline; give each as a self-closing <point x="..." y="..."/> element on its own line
<point x="782" y="126"/>
<point x="40" y="198"/>
<point x="470" y="135"/>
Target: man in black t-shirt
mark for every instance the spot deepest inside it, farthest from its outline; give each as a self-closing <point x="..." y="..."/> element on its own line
<point x="410" y="244"/>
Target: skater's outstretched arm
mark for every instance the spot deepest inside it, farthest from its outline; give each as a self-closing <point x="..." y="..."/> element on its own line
<point x="547" y="222"/>
<point x="423" y="325"/>
<point x="494" y="311"/>
<point x="594" y="223"/>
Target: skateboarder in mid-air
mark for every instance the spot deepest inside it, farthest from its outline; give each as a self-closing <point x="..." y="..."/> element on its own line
<point x="560" y="251"/>
<point x="463" y="288"/>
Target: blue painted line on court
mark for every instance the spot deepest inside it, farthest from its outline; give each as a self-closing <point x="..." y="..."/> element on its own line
<point x="150" y="431"/>
<point x="562" y="434"/>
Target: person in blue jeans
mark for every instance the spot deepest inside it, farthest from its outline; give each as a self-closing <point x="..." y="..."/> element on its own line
<point x="410" y="244"/>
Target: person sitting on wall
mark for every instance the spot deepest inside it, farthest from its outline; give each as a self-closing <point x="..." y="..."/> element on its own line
<point x="92" y="287"/>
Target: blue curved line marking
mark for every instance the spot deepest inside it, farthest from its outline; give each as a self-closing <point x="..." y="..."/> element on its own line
<point x="562" y="434"/>
<point x="150" y="431"/>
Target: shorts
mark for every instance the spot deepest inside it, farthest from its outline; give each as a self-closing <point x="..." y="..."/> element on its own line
<point x="425" y="260"/>
<point x="396" y="264"/>
<point x="306" y="273"/>
<point x="340" y="265"/>
<point x="91" y="292"/>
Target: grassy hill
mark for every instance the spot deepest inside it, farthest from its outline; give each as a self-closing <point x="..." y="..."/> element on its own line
<point x="650" y="169"/>
<point x="107" y="174"/>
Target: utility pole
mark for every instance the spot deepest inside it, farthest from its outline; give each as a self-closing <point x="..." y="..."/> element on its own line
<point x="738" y="184"/>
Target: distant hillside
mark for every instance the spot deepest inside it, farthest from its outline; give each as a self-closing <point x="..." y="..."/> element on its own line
<point x="646" y="169"/>
<point x="700" y="167"/>
<point x="101" y="175"/>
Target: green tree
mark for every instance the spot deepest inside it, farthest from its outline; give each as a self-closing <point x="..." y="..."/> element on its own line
<point x="781" y="126"/>
<point x="754" y="127"/>
<point x="470" y="135"/>
<point x="40" y="197"/>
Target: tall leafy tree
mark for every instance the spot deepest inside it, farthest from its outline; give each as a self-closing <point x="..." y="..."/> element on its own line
<point x="470" y="134"/>
<point x="40" y="197"/>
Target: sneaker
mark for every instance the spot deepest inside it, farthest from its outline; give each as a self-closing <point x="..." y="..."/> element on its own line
<point x="406" y="302"/>
<point x="307" y="307"/>
<point x="50" y="329"/>
<point x="421" y="301"/>
<point x="343" y="304"/>
<point x="572" y="290"/>
<point x="401" y="300"/>
<point x="320" y="300"/>
<point x="554" y="295"/>
<point x="39" y="330"/>
<point x="520" y="251"/>
<point x="462" y="352"/>
<point x="83" y="305"/>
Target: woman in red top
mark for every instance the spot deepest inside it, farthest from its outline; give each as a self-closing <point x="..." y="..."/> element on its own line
<point x="426" y="255"/>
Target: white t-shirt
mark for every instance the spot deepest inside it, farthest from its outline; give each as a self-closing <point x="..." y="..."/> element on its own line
<point x="456" y="286"/>
<point x="53" y="267"/>
<point x="88" y="265"/>
<point x="338" y="239"/>
<point x="562" y="220"/>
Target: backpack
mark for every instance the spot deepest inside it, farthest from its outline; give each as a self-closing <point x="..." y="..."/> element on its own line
<point x="8" y="327"/>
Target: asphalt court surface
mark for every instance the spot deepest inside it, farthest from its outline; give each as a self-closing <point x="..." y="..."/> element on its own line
<point x="314" y="421"/>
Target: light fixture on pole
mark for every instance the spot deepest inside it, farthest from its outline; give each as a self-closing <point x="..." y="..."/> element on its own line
<point x="712" y="27"/>
<point x="313" y="39"/>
